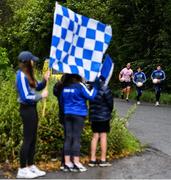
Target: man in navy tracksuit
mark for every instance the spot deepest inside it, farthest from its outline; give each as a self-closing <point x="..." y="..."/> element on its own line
<point x="139" y="77"/>
<point x="158" y="76"/>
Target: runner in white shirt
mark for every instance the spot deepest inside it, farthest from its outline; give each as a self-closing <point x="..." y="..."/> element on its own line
<point x="125" y="77"/>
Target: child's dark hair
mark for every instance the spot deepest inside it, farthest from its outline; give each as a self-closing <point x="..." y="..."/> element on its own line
<point x="66" y="80"/>
<point x="139" y="67"/>
<point x="71" y="78"/>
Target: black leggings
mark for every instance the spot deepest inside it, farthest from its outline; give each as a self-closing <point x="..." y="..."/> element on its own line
<point x="158" y="88"/>
<point x="29" y="117"/>
<point x="139" y="93"/>
<point x="73" y="126"/>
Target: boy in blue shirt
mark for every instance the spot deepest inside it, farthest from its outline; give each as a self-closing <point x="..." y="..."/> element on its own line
<point x="158" y="76"/>
<point x="139" y="79"/>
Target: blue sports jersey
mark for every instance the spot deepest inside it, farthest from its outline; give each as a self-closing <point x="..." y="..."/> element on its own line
<point x="139" y="77"/>
<point x="158" y="74"/>
<point x="74" y="99"/>
<point x="26" y="94"/>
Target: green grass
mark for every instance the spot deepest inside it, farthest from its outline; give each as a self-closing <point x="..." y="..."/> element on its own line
<point x="147" y="96"/>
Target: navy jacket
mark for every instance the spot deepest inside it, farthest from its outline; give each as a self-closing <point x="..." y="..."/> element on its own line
<point x="139" y="77"/>
<point x="102" y="105"/>
<point x="158" y="74"/>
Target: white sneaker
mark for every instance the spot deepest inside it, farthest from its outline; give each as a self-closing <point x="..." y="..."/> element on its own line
<point x="138" y="102"/>
<point x="25" y="173"/>
<point x="37" y="171"/>
<point x="157" y="103"/>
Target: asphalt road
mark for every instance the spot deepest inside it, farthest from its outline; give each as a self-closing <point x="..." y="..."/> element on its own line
<point x="152" y="125"/>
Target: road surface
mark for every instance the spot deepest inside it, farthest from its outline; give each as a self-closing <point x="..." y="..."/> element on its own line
<point x="152" y="125"/>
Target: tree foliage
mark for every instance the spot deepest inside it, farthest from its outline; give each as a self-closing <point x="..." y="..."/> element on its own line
<point x="141" y="29"/>
<point x="142" y="33"/>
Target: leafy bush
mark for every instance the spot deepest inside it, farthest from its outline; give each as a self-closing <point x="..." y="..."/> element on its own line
<point x="5" y="67"/>
<point x="50" y="131"/>
<point x="149" y="96"/>
<point x="120" y="139"/>
<point x="9" y="118"/>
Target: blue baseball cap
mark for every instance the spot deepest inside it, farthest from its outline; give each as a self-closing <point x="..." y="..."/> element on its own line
<point x="27" y="56"/>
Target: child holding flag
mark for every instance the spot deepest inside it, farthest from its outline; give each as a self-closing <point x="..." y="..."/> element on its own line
<point x="26" y="85"/>
<point x="100" y="114"/>
<point x="73" y="100"/>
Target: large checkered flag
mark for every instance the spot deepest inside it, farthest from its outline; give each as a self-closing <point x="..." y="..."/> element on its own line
<point x="78" y="43"/>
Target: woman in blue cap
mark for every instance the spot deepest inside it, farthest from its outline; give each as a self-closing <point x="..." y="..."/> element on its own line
<point x="26" y="85"/>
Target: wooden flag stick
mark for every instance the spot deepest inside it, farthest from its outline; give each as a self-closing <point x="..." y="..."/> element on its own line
<point x="44" y="101"/>
<point x="45" y="68"/>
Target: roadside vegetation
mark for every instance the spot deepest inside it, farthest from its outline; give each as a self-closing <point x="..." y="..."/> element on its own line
<point x="147" y="96"/>
<point x="50" y="133"/>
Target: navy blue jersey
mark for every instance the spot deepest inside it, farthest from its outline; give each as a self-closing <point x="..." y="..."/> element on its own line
<point x="158" y="74"/>
<point x="139" y="77"/>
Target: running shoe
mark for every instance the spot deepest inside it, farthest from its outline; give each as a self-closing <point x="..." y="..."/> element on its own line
<point x="138" y="102"/>
<point x="93" y="163"/>
<point x="104" y="164"/>
<point x="157" y="103"/>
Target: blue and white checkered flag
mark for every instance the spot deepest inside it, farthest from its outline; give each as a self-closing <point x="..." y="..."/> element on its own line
<point x="78" y="43"/>
<point x="107" y="69"/>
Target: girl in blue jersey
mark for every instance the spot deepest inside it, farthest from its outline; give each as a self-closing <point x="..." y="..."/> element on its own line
<point x="26" y="85"/>
<point x="158" y="76"/>
<point x="73" y="100"/>
<point x="139" y="78"/>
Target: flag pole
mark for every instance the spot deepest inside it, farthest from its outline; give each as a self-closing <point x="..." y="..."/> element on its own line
<point x="45" y="68"/>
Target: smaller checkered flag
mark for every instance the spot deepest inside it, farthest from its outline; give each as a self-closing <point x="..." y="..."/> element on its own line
<point x="107" y="69"/>
<point x="78" y="43"/>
